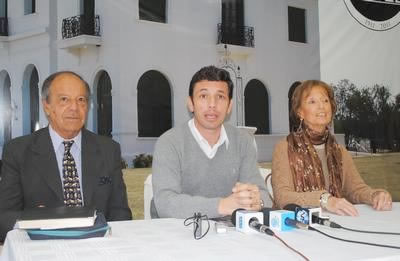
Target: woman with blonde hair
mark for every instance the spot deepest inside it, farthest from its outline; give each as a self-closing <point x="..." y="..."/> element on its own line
<point x="310" y="168"/>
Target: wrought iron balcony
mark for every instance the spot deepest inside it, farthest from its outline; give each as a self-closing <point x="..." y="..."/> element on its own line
<point x="242" y="36"/>
<point x="3" y="26"/>
<point x="79" y="25"/>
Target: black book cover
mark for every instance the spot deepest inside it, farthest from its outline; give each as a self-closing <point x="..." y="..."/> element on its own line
<point x="60" y="217"/>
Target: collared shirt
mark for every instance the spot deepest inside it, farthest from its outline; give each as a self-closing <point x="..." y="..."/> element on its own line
<point x="203" y="143"/>
<point x="58" y="146"/>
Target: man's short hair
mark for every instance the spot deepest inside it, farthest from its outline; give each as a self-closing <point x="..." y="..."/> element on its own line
<point x="49" y="80"/>
<point x="211" y="73"/>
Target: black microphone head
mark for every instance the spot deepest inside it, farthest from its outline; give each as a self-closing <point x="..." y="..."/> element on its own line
<point x="266" y="212"/>
<point x="290" y="222"/>
<point x="316" y="219"/>
<point x="233" y="217"/>
<point x="297" y="224"/>
<point x="291" y="207"/>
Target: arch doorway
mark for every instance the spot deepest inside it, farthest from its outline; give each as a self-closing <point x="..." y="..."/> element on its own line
<point x="6" y="112"/>
<point x="154" y="104"/>
<point x="30" y="100"/>
<point x="104" y="104"/>
<point x="292" y="122"/>
<point x="256" y="104"/>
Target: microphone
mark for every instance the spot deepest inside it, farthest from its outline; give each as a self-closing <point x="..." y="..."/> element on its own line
<point x="277" y="219"/>
<point x="325" y="222"/>
<point x="296" y="224"/>
<point x="247" y="221"/>
<point x="284" y="220"/>
<point x="254" y="224"/>
<point x="310" y="216"/>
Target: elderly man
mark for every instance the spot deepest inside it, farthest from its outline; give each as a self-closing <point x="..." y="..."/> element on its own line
<point x="205" y="165"/>
<point x="62" y="164"/>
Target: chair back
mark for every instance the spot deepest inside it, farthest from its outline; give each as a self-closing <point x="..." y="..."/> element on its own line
<point x="270" y="191"/>
<point x="266" y="175"/>
<point x="148" y="196"/>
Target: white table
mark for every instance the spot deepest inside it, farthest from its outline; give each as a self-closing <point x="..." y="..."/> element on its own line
<point x="168" y="239"/>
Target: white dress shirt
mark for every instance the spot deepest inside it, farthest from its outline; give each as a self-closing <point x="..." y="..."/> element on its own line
<point x="203" y="143"/>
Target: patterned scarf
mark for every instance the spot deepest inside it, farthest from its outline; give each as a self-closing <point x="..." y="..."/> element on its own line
<point x="306" y="166"/>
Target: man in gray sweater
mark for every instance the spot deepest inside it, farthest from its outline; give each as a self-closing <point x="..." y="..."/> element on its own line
<point x="204" y="165"/>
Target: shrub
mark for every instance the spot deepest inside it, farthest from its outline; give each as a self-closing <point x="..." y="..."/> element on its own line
<point x="142" y="161"/>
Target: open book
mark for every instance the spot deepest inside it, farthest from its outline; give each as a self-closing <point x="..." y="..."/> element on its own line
<point x="56" y="218"/>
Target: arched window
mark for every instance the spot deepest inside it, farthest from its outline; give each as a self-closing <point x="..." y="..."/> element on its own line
<point x="30" y="100"/>
<point x="104" y="104"/>
<point x="154" y="104"/>
<point x="256" y="106"/>
<point x="292" y="124"/>
<point x="6" y="112"/>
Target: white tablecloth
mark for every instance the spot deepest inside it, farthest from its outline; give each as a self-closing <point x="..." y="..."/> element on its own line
<point x="169" y="239"/>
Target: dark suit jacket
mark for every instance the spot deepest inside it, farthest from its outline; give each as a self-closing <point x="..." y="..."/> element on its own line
<point x="30" y="177"/>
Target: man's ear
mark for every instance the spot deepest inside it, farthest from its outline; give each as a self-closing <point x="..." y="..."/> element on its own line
<point x="189" y="103"/>
<point x="46" y="107"/>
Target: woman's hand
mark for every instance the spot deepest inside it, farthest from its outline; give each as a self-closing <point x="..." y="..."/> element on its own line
<point x="341" y="207"/>
<point x="381" y="200"/>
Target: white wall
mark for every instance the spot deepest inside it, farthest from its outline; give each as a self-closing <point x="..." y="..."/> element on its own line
<point x="276" y="61"/>
<point x="179" y="48"/>
<point x="27" y="44"/>
<point x="20" y="23"/>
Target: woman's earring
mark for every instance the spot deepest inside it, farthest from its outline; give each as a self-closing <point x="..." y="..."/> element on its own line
<point x="300" y="127"/>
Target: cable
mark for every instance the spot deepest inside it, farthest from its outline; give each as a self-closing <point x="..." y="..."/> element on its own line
<point x="370" y="232"/>
<point x="353" y="241"/>
<point x="336" y="225"/>
<point x="291" y="248"/>
<point x="196" y="220"/>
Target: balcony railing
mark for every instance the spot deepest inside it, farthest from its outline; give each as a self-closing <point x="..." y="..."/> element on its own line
<point x="3" y="26"/>
<point x="243" y="36"/>
<point x="79" y="25"/>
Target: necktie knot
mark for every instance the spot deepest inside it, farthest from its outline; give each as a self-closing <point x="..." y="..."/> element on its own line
<point x="68" y="144"/>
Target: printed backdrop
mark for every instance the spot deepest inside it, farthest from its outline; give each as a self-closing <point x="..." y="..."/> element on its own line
<point x="360" y="41"/>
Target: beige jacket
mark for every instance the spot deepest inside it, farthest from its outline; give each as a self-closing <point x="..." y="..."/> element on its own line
<point x="354" y="188"/>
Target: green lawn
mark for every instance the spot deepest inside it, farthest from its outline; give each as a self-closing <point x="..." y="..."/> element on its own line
<point x="377" y="171"/>
<point x="134" y="180"/>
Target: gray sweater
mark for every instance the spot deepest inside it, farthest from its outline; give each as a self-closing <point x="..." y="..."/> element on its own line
<point x="186" y="181"/>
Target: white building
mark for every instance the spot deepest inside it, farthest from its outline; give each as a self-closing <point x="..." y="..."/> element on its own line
<point x="126" y="58"/>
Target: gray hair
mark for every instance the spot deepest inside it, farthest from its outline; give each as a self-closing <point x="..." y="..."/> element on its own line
<point x="49" y="80"/>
